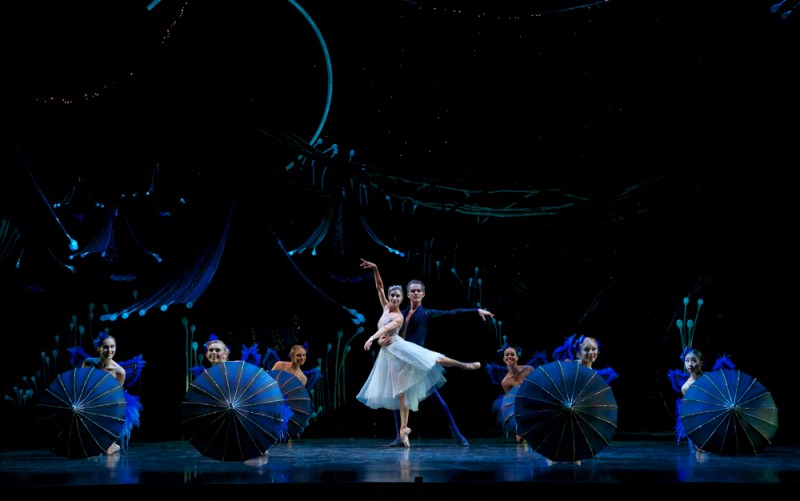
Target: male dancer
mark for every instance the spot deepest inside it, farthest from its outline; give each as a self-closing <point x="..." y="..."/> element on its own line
<point x="415" y="329"/>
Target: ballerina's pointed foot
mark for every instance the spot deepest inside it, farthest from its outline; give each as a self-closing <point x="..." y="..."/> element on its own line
<point x="473" y="366"/>
<point x="404" y="433"/>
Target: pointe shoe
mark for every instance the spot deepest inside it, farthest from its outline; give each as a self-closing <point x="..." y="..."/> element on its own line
<point x="112" y="449"/>
<point x="473" y="366"/>
<point x="404" y="433"/>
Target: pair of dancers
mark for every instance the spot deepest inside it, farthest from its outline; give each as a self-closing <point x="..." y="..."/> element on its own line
<point x="405" y="373"/>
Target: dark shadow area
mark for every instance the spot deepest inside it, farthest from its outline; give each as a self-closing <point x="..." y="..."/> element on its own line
<point x="574" y="167"/>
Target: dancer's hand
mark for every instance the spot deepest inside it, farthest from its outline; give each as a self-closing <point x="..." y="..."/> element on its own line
<point x="485" y="313"/>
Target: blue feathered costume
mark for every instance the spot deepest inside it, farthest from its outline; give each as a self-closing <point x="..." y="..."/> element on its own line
<point x="678" y="377"/>
<point x="133" y="371"/>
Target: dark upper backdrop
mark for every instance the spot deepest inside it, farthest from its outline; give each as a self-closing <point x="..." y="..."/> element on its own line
<point x="581" y="169"/>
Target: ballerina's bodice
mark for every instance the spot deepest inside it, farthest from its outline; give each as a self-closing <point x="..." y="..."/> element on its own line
<point x="387" y="319"/>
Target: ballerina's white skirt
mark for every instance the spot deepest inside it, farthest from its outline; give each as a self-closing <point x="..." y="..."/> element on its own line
<point x="402" y="367"/>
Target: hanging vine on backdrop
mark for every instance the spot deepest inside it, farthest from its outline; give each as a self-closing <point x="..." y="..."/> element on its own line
<point x="182" y="280"/>
<point x="784" y="9"/>
<point x="51" y="363"/>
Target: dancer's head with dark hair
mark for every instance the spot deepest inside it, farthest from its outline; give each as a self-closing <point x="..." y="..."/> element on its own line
<point x="506" y="347"/>
<point x="106" y="349"/>
<point x="413" y="283"/>
<point x="693" y="364"/>
<point x="516" y="373"/>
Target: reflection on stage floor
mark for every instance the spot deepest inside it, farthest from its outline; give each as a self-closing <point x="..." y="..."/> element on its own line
<point x="348" y="468"/>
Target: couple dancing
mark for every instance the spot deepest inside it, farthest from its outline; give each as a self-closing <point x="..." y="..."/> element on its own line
<point x="405" y="373"/>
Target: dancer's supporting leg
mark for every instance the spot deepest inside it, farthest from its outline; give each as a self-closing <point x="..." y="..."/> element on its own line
<point x="404" y="429"/>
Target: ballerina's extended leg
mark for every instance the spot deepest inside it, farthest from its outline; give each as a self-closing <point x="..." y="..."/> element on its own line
<point x="449" y="362"/>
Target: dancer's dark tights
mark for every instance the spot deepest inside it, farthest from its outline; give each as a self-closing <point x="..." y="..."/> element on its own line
<point x="441" y="408"/>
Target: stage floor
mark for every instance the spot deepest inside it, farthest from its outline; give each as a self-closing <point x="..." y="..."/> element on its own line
<point x="358" y="468"/>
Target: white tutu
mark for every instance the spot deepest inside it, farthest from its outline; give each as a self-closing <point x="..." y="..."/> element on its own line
<point x="402" y="366"/>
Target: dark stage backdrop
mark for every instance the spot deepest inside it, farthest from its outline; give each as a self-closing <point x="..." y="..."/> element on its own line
<point x="573" y="168"/>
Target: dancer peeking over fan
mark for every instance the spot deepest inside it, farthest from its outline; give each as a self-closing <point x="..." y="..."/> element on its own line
<point x="693" y="363"/>
<point x="217" y="351"/>
<point x="682" y="379"/>
<point x="297" y="357"/>
<point x="584" y="350"/>
<point x="693" y="366"/>
<point x="514" y="375"/>
<point x="107" y="347"/>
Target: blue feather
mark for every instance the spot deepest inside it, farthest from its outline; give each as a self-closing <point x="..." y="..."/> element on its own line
<point x="496" y="372"/>
<point x="724" y="362"/>
<point x="78" y="356"/>
<point x="197" y="370"/>
<point x="677" y="377"/>
<point x="680" y="433"/>
<point x="251" y="352"/>
<point x="133" y="369"/>
<point x="313" y="376"/>
<point x="608" y="374"/>
<point x="270" y="357"/>
<point x="564" y="352"/>
<point x="539" y="358"/>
